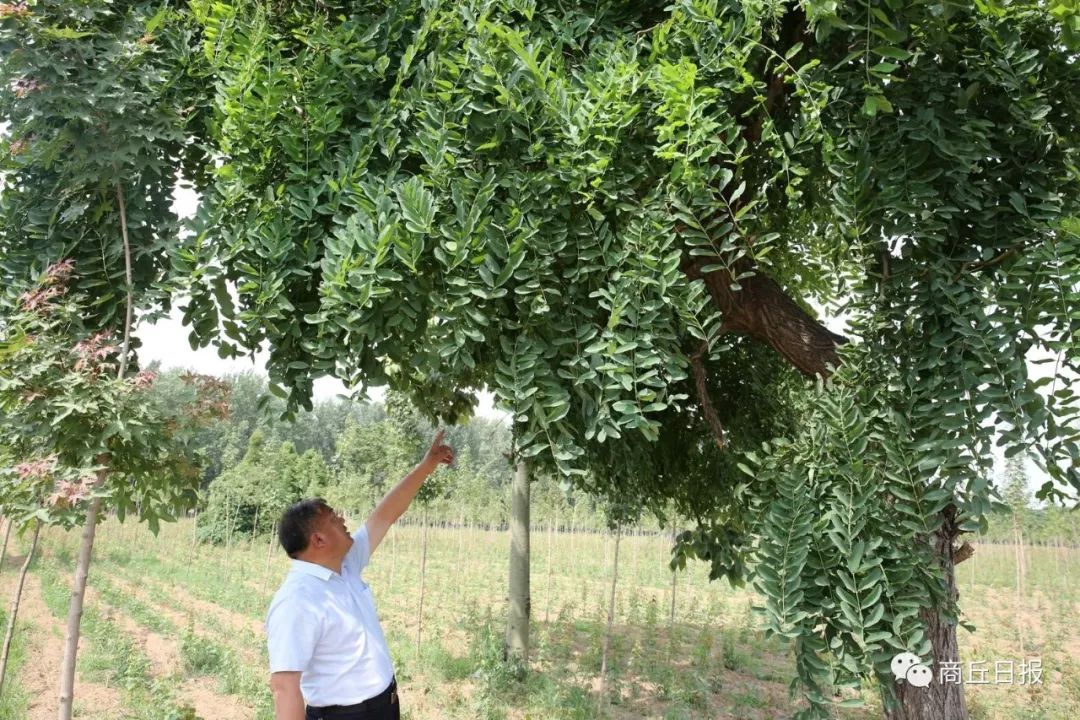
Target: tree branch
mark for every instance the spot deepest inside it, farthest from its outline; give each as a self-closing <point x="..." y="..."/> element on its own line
<point x="700" y="381"/>
<point x="125" y="349"/>
<point x="999" y="258"/>
<point x="762" y="310"/>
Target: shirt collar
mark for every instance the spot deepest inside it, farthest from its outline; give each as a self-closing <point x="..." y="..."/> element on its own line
<point x="308" y="568"/>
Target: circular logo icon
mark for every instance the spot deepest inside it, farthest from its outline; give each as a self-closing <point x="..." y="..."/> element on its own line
<point x="919" y="675"/>
<point x="902" y="663"/>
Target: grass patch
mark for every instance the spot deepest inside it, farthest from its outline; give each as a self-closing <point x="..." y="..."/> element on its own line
<point x="692" y="665"/>
<point x="109" y="656"/>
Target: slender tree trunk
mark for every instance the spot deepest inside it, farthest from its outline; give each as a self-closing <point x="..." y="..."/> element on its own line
<point x="269" y="552"/>
<point x="423" y="578"/>
<point x="393" y="556"/>
<point x="3" y="550"/>
<point x="674" y="577"/>
<point x="550" y="562"/>
<point x="972" y="589"/>
<point x="517" y="627"/>
<point x="602" y="700"/>
<point x="573" y="533"/>
<point x="1018" y="549"/>
<point x="1023" y="561"/>
<point x="1057" y="557"/>
<point x="195" y="531"/>
<point x="86" y="548"/>
<point x="461" y="556"/>
<point x="75" y="608"/>
<point x="938" y="701"/>
<point x="15" y="603"/>
<point x="228" y="528"/>
<point x="229" y="523"/>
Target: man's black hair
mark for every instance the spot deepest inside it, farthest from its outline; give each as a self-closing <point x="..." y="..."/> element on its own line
<point x="298" y="522"/>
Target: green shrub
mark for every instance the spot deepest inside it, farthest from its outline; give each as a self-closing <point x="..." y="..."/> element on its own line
<point x="200" y="656"/>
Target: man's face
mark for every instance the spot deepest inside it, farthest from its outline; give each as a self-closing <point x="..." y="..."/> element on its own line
<point x="333" y="534"/>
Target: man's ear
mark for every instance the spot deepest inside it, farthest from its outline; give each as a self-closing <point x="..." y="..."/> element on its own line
<point x="318" y="540"/>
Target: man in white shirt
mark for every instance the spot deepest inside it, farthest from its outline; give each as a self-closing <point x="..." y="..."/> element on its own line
<point x="326" y="645"/>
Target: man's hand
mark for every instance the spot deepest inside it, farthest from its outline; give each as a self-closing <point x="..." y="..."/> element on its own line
<point x="397" y="500"/>
<point x="439" y="454"/>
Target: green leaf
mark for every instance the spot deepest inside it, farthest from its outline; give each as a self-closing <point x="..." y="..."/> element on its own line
<point x="417" y="205"/>
<point x="892" y="52"/>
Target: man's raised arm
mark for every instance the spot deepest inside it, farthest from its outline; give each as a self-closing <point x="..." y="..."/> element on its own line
<point x="391" y="507"/>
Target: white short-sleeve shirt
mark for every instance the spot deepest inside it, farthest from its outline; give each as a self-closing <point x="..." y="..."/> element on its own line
<point x="324" y="625"/>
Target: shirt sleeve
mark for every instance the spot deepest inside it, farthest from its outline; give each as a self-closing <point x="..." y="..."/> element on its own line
<point x="360" y="552"/>
<point x="292" y="631"/>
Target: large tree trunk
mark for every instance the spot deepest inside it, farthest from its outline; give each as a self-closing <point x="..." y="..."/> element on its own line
<point x="762" y="310"/>
<point x="517" y="626"/>
<point x="938" y="701"/>
<point x="759" y="307"/>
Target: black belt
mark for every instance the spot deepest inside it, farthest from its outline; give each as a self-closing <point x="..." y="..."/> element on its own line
<point x="329" y="712"/>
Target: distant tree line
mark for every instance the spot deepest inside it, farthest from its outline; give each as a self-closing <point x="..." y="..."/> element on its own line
<point x="254" y="464"/>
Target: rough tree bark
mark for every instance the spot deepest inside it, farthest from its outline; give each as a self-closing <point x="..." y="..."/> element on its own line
<point x="760" y="307"/>
<point x="762" y="310"/>
<point x="765" y="312"/>
<point x="938" y="701"/>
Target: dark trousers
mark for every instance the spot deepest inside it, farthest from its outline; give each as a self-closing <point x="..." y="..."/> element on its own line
<point x="384" y="706"/>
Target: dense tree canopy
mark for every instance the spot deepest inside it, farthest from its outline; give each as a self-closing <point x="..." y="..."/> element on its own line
<point x="96" y="97"/>
<point x="524" y="195"/>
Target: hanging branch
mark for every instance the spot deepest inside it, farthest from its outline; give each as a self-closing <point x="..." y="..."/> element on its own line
<point x="701" y="383"/>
